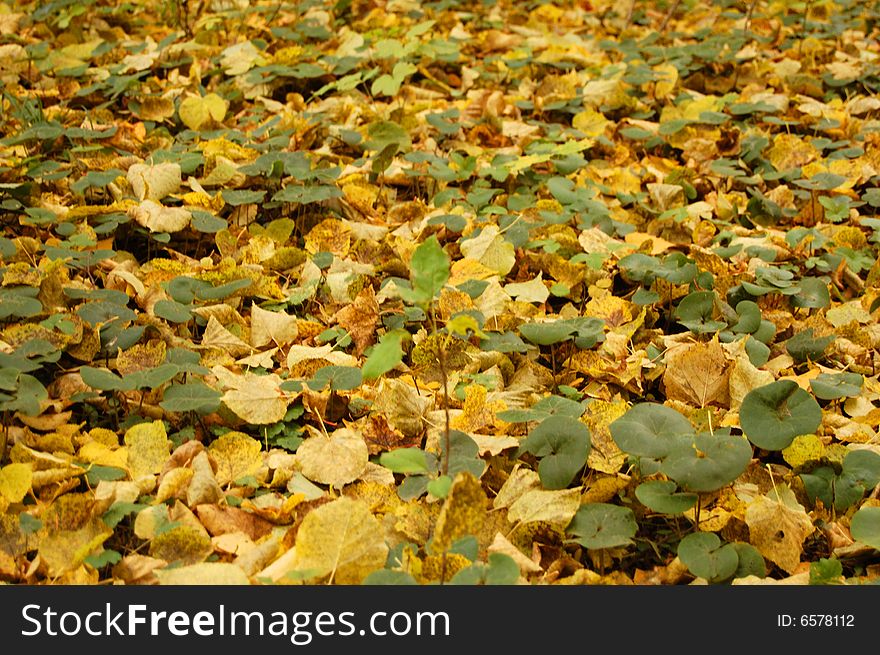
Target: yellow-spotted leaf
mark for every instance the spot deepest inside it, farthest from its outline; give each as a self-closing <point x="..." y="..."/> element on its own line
<point x="148" y="448"/>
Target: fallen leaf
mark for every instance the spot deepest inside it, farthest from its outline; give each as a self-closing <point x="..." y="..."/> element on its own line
<point x="697" y="374"/>
<point x="236" y="454"/>
<point x="778" y="526"/>
<point x="154" y="181"/>
<point x="556" y="507"/>
<point x="158" y="218"/>
<point x="335" y="459"/>
<point x="148" y="448"/>
<point x="463" y="512"/>
<point x="342" y="540"/>
<point x="204" y="573"/>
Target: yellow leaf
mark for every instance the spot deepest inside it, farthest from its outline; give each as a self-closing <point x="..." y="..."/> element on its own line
<point x="257" y="399"/>
<point x="342" y="540"/>
<point x="789" y="151"/>
<point x="217" y="336"/>
<point x="805" y="449"/>
<point x="148" y="448"/>
<point x="15" y="482"/>
<point x="154" y="181"/>
<point x="174" y="484"/>
<point x="590" y="122"/>
<point x="196" y="112"/>
<point x="268" y="327"/>
<point x="778" y="526"/>
<point x="237" y="455"/>
<point x="98" y="453"/>
<point x="463" y="512"/>
<point x="666" y="80"/>
<point x="556" y="507"/>
<point x="532" y="291"/>
<point x="520" y="481"/>
<point x="184" y="543"/>
<point x="605" y="455"/>
<point x="204" y="573"/>
<point x="491" y="249"/>
<point x="336" y="459"/>
<point x="157" y="218"/>
<point x="64" y="550"/>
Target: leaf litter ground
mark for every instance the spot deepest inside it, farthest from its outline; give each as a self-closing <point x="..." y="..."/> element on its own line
<point x="480" y="293"/>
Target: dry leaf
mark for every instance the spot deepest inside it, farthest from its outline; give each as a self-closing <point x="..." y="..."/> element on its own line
<point x="778" y="526"/>
<point x="342" y="540"/>
<point x="556" y="507"/>
<point x="335" y="459"/>
<point x="697" y="374"/>
<point x="158" y="218"/>
<point x="463" y="512"/>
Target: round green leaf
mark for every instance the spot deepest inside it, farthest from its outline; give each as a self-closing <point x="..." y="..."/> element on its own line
<point x="660" y="496"/>
<point x="193" y="396"/>
<point x="340" y="378"/>
<point x="710" y="462"/>
<point x="865" y="526"/>
<point x="749" y="317"/>
<point x="649" y="430"/>
<point x="405" y="460"/>
<point x="751" y="562"/>
<point x="562" y="443"/>
<point x="705" y="557"/>
<point x="813" y="293"/>
<point x="696" y="312"/>
<point x="601" y="525"/>
<point x="545" y="334"/>
<point x="773" y="415"/>
<point x="829" y="386"/>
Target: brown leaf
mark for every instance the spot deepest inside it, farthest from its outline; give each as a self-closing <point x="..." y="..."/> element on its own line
<point x="223" y="520"/>
<point x="360" y="318"/>
<point x="697" y="374"/>
<point x="381" y="436"/>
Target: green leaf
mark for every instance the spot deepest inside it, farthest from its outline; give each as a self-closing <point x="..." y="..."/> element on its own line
<point x="773" y="415"/>
<point x="865" y="526"/>
<point x="696" y="312"/>
<point x="563" y="444"/>
<point x="650" y="430"/>
<point x="173" y="311"/>
<point x="830" y="386"/>
<point x="545" y="334"/>
<point x="103" y="558"/>
<point x="751" y="562"/>
<point x="429" y="271"/>
<point x="500" y="570"/>
<point x="705" y="557"/>
<point x="405" y="460"/>
<point x="805" y="347"/>
<point x="826" y="571"/>
<point x="340" y="378"/>
<point x="236" y="197"/>
<point x="602" y="525"/>
<point x="813" y="293"/>
<point x="710" y="462"/>
<point x="660" y="496"/>
<point x="103" y="379"/>
<point x="440" y="486"/>
<point x="388" y="577"/>
<point x="194" y="396"/>
<point x="20" y="302"/>
<point x="385" y="355"/>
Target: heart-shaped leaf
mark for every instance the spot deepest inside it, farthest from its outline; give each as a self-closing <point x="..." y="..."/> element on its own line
<point x="705" y="557"/>
<point x="660" y="496"/>
<point x="773" y="415"/>
<point x="601" y="525"/>
<point x="709" y="462"/>
<point x="563" y="444"/>
<point x="865" y="526"/>
<point x="830" y="386"/>
<point x="650" y="430"/>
